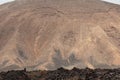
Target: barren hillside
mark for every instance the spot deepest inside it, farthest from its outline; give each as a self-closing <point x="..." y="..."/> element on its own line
<point x="48" y="34"/>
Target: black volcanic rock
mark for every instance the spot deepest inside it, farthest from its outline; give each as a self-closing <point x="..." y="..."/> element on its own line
<point x="63" y="74"/>
<point x="15" y="75"/>
<point x="48" y="34"/>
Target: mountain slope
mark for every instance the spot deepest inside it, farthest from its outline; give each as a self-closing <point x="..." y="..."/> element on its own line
<point x="47" y="34"/>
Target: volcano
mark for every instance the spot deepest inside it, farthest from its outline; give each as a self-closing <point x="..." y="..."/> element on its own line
<point x="48" y="34"/>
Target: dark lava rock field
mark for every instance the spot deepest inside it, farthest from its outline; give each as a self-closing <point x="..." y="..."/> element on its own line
<point x="62" y="74"/>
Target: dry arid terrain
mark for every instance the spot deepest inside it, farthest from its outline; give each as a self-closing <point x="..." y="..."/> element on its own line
<point x="48" y="34"/>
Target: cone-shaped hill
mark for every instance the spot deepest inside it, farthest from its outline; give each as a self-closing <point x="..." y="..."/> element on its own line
<point x="48" y="34"/>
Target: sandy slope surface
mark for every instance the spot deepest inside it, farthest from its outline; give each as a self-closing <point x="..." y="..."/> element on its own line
<point x="48" y="34"/>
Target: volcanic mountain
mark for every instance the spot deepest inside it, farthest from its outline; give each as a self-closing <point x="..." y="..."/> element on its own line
<point x="48" y="34"/>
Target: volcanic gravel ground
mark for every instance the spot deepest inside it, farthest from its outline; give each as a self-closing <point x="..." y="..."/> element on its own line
<point x="62" y="74"/>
